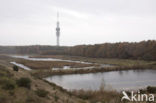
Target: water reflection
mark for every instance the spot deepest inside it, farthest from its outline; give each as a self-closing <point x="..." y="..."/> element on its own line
<point x="46" y="59"/>
<point x="21" y="65"/>
<point x="130" y="79"/>
<point x="26" y="57"/>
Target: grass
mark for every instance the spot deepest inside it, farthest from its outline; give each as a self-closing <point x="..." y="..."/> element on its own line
<point x="41" y="92"/>
<point x="24" y="82"/>
<point x="8" y="84"/>
<point x="151" y="89"/>
<point x="33" y="95"/>
<point x="50" y="64"/>
<point x="119" y="62"/>
<point x="11" y="93"/>
<point x="5" y="79"/>
<point x="102" y="95"/>
<point x="24" y="95"/>
<point x="56" y="97"/>
<point x="105" y="96"/>
<point x="46" y="73"/>
<point x="98" y="96"/>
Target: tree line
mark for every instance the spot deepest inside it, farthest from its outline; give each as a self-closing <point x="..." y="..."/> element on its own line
<point x="145" y="50"/>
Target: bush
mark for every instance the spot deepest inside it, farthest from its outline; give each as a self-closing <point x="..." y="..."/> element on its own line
<point x="142" y="91"/>
<point x="41" y="92"/>
<point x="3" y="98"/>
<point x="8" y="85"/>
<point x="56" y="97"/>
<point x="24" y="82"/>
<point x="15" y="68"/>
<point x="2" y="73"/>
<point x="151" y="89"/>
<point x="11" y="92"/>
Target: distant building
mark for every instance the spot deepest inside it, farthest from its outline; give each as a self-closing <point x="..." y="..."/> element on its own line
<point x="58" y="31"/>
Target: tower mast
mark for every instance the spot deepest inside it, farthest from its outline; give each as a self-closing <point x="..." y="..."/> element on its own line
<point x="58" y="30"/>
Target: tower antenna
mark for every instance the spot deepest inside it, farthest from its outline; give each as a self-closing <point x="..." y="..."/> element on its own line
<point x="58" y="30"/>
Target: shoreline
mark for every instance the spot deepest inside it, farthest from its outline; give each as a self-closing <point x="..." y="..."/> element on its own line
<point x="46" y="73"/>
<point x="79" y="94"/>
<point x="43" y="69"/>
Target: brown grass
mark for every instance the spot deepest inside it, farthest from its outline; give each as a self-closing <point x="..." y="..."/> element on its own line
<point x="114" y="61"/>
<point x="102" y="95"/>
<point x="24" y="95"/>
<point x="98" y="96"/>
<point x="50" y="64"/>
<point x="46" y="73"/>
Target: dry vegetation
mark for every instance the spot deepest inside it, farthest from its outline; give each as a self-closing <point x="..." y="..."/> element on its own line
<point x="144" y="50"/>
<point x="46" y="73"/>
<point x="118" y="62"/>
<point x="50" y="64"/>
<point x="33" y="89"/>
<point x="101" y="96"/>
<point x="21" y="87"/>
<point x="105" y="96"/>
<point x="10" y="92"/>
<point x="41" y="91"/>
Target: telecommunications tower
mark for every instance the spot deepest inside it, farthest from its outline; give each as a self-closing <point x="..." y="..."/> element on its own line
<point x="58" y="30"/>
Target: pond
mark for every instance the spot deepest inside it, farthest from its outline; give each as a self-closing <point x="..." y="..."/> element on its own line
<point x="117" y="80"/>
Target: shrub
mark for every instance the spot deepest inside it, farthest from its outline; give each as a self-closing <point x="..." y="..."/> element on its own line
<point x="151" y="89"/>
<point x="24" y="82"/>
<point x="11" y="92"/>
<point x="41" y="92"/>
<point x="8" y="85"/>
<point x="56" y="97"/>
<point x="2" y="73"/>
<point x="5" y="73"/>
<point x="32" y="98"/>
<point x="142" y="91"/>
<point x="3" y="98"/>
<point x="15" y="68"/>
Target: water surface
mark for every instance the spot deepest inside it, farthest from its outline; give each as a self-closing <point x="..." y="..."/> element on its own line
<point x="118" y="80"/>
<point x="26" y="57"/>
<point x="21" y="65"/>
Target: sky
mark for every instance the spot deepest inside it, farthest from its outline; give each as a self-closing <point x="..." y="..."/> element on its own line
<point x="33" y="22"/>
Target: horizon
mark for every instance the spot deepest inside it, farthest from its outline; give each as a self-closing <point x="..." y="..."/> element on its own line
<point x="81" y="22"/>
<point x="77" y="51"/>
<point x="80" y="44"/>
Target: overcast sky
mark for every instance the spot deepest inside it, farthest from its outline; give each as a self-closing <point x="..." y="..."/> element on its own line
<point x="31" y="22"/>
